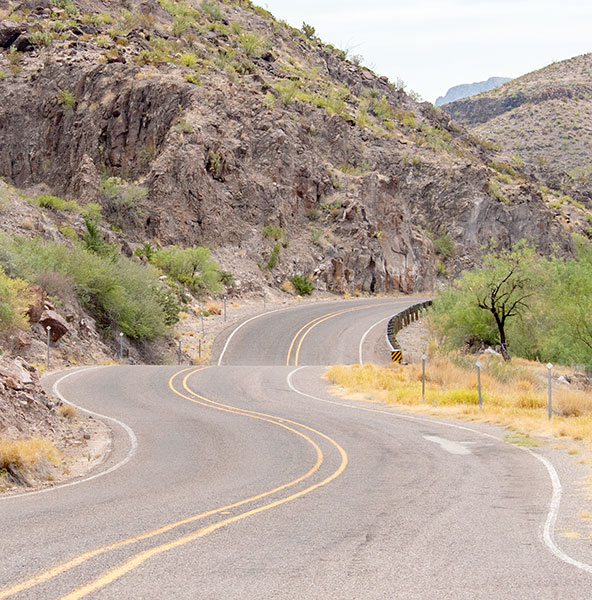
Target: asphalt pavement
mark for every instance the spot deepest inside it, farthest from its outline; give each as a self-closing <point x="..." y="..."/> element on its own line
<point x="248" y="479"/>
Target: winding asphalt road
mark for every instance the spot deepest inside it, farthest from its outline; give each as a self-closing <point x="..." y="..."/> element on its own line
<point x="247" y="480"/>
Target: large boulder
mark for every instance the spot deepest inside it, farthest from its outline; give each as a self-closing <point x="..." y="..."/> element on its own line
<point x="59" y="327"/>
<point x="9" y="32"/>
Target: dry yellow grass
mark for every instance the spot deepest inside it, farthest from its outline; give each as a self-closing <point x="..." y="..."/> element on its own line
<point x="20" y="457"/>
<point x="68" y="411"/>
<point x="213" y="308"/>
<point x="514" y="394"/>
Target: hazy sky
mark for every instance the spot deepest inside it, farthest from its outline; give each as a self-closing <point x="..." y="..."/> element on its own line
<point x="433" y="45"/>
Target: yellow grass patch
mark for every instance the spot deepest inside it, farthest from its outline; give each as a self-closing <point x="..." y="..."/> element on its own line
<point x="21" y="456"/>
<point x="514" y="394"/>
<point x="68" y="411"/>
<point x="213" y="308"/>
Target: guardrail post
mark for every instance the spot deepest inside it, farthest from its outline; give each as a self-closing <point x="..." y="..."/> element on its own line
<point x="423" y="365"/>
<point x="549" y="367"/>
<point x="478" y="365"/>
<point x="48" y="343"/>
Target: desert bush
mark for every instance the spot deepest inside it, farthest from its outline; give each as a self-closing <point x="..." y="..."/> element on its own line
<point x="273" y="257"/>
<point x="555" y="323"/>
<point x="252" y="44"/>
<point x="48" y="201"/>
<point x="444" y="245"/>
<point x="66" y="99"/>
<point x="303" y="285"/>
<point x="274" y="231"/>
<point x="13" y="302"/>
<point x="122" y="197"/>
<point x="191" y="266"/>
<point x="114" y="289"/>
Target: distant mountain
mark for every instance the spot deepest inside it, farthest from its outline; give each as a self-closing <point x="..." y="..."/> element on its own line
<point x="543" y="117"/>
<point x="466" y="90"/>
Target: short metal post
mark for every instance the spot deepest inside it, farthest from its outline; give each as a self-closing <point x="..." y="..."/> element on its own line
<point x="224" y="308"/>
<point x="423" y="364"/>
<point x="478" y="365"/>
<point x="179" y="351"/>
<point x="199" y="349"/>
<point x="549" y="367"/>
<point x="48" y="342"/>
<point x="120" y="345"/>
<point x="203" y="327"/>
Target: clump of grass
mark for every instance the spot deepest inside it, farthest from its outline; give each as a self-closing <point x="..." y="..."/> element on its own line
<point x="66" y="99"/>
<point x="48" y="201"/>
<point x="67" y="411"/>
<point x="513" y="394"/>
<point x="213" y="308"/>
<point x="19" y="458"/>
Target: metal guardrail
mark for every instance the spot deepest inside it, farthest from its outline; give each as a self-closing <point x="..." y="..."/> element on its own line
<point x="397" y="322"/>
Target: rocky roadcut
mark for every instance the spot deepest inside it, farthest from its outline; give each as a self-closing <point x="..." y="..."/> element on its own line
<point x="231" y="120"/>
<point x="49" y="441"/>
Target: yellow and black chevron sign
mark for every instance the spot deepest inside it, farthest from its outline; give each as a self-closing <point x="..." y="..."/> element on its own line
<point x="396" y="355"/>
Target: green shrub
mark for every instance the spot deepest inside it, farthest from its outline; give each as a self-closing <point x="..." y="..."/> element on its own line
<point x="212" y="9"/>
<point x="288" y="90"/>
<point x="67" y="5"/>
<point x="13" y="303"/>
<point x="48" y="201"/>
<point x="444" y="246"/>
<point x="191" y="266"/>
<point x="193" y="78"/>
<point x="122" y="199"/>
<point x="308" y="30"/>
<point x="303" y="285"/>
<point x="40" y="38"/>
<point x="274" y="231"/>
<point x="273" y="257"/>
<point x="117" y="291"/>
<point x="66" y="99"/>
<point x="252" y="44"/>
<point x="189" y="60"/>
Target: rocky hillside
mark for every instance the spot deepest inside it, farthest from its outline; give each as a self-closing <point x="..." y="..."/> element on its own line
<point x="543" y="118"/>
<point x="212" y="123"/>
<point x="467" y="90"/>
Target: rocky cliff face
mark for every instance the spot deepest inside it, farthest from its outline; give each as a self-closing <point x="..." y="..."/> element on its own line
<point x="225" y="121"/>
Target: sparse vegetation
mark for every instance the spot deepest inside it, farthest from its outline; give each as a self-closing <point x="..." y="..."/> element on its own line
<point x="514" y="394"/>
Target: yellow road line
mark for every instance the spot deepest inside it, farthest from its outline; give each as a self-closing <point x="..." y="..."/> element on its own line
<point x="48" y="574"/>
<point x="311" y="325"/>
<point x="142" y="557"/>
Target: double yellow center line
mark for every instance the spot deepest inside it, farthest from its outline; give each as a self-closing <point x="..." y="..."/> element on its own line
<point x="301" y="334"/>
<point x="136" y="560"/>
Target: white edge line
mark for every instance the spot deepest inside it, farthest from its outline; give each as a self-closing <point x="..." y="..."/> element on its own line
<point x="549" y="526"/>
<point x="366" y="335"/>
<point x="121" y="463"/>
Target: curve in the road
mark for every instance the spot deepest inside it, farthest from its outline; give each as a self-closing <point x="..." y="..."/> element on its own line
<point x="549" y="525"/>
<point x="138" y="559"/>
<point x="309" y="327"/>
<point x="129" y="431"/>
